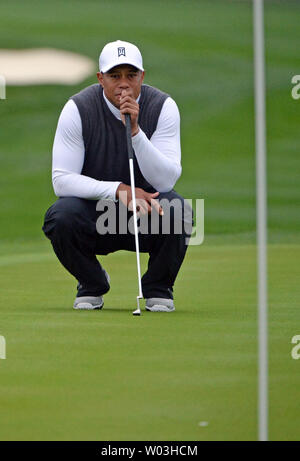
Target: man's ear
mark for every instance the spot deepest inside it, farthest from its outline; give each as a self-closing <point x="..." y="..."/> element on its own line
<point x="143" y="76"/>
<point x="100" y="78"/>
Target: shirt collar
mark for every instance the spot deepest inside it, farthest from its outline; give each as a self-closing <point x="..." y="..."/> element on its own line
<point x="114" y="109"/>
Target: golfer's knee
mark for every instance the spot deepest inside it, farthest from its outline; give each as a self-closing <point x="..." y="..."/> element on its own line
<point x="178" y="214"/>
<point x="60" y="218"/>
<point x="57" y="221"/>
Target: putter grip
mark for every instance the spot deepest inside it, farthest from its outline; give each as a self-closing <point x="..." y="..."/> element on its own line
<point x="128" y="136"/>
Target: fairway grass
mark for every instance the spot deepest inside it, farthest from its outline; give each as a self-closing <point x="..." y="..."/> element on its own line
<point x="108" y="375"/>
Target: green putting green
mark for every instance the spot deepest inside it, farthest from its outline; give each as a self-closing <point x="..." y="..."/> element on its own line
<point x="191" y="374"/>
<point x="107" y="375"/>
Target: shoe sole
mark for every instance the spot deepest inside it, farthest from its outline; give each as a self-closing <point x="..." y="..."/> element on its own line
<point x="87" y="307"/>
<point x="160" y="308"/>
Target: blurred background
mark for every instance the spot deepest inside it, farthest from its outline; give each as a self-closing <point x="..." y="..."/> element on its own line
<point x="201" y="365"/>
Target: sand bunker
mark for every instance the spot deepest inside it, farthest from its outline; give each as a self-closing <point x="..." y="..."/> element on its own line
<point x="44" y="66"/>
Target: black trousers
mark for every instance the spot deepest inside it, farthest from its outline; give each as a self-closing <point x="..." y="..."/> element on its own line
<point x="70" y="224"/>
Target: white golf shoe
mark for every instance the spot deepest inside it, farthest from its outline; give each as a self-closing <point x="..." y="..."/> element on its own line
<point x="160" y="305"/>
<point x="90" y="303"/>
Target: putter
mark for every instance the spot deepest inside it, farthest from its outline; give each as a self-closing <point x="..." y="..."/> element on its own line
<point x="137" y="248"/>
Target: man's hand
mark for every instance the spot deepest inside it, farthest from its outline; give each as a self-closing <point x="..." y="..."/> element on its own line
<point x="144" y="200"/>
<point x="128" y="105"/>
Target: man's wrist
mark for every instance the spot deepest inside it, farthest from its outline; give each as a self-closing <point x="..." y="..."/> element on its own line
<point x="117" y="191"/>
<point x="121" y="187"/>
<point x="135" y="132"/>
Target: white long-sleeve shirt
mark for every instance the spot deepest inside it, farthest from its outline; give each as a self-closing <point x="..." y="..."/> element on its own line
<point x="158" y="158"/>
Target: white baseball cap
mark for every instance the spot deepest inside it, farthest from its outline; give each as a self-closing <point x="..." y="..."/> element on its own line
<point x="119" y="52"/>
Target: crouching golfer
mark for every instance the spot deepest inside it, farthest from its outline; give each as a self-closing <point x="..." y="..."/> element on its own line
<point x="90" y="163"/>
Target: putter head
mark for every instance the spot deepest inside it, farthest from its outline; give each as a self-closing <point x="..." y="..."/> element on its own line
<point x="138" y="310"/>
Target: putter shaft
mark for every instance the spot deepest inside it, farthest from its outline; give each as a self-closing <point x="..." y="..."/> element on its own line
<point x="132" y="183"/>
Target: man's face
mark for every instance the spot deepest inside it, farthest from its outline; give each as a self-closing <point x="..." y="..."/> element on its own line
<point x="119" y="78"/>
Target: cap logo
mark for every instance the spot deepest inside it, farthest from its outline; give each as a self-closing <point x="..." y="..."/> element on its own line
<point x="121" y="51"/>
